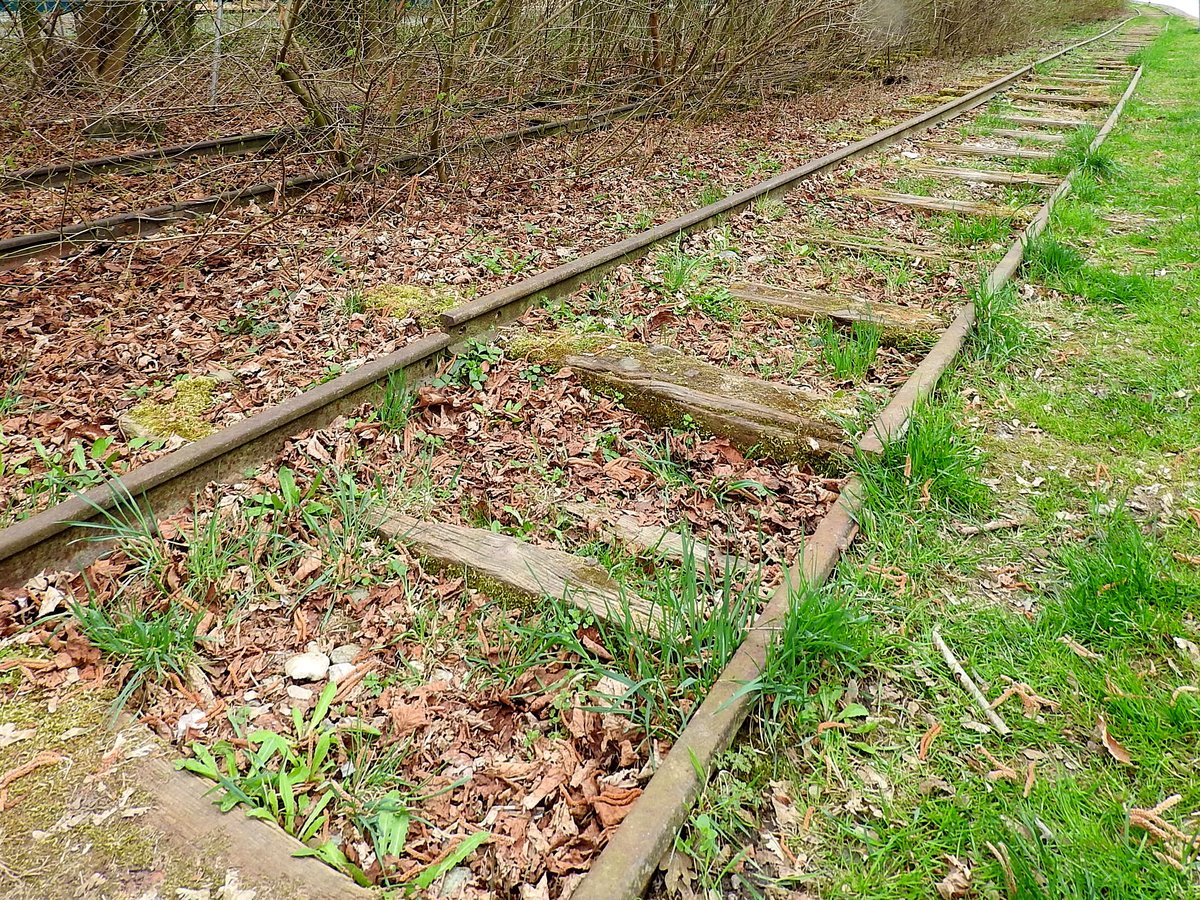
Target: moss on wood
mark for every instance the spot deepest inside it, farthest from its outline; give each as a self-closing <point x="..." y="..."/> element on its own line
<point x="672" y="389"/>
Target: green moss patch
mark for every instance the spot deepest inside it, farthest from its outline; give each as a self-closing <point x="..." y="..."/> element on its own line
<point x="182" y="416"/>
<point x="554" y="346"/>
<point x="411" y="301"/>
<point x="46" y="821"/>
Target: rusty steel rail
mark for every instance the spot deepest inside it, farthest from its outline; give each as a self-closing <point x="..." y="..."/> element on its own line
<point x="82" y="170"/>
<point x="55" y="537"/>
<point x="633" y="853"/>
<point x="139" y="161"/>
<point x="136" y="223"/>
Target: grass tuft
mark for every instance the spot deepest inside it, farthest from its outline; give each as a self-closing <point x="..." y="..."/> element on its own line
<point x="821" y="636"/>
<point x="999" y="335"/>
<point x="1117" y="592"/>
<point x="933" y="467"/>
<point x="150" y="644"/>
<point x="850" y="355"/>
<point x="397" y="404"/>
<point x="1047" y="257"/>
<point x="1097" y="163"/>
<point x="679" y="272"/>
<point x="972" y="231"/>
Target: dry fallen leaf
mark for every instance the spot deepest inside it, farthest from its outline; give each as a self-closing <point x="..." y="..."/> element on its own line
<point x="614" y="804"/>
<point x="1114" y="747"/>
<point x="1189" y="650"/>
<point x="927" y="740"/>
<point x="957" y="882"/>
<point x="10" y="734"/>
<point x="1078" y="649"/>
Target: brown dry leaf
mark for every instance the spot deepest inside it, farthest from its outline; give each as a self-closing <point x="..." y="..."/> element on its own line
<point x="10" y="734"/>
<point x="1114" y="747"/>
<point x="679" y="876"/>
<point x="1189" y="650"/>
<point x="786" y="813"/>
<point x="614" y="804"/>
<point x="539" y="891"/>
<point x="1078" y="649"/>
<point x="408" y="717"/>
<point x="308" y="567"/>
<point x="927" y="740"/>
<point x="1031" y="702"/>
<point x="957" y="883"/>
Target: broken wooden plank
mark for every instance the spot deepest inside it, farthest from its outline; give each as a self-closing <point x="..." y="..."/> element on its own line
<point x="987" y="177"/>
<point x="1062" y="99"/>
<point x="936" y="204"/>
<point x="878" y="246"/>
<point x="1041" y="137"/>
<point x="986" y="150"/>
<point x="895" y="322"/>
<point x="621" y="528"/>
<point x="667" y="387"/>
<point x="530" y="572"/>
<point x="1044" y="122"/>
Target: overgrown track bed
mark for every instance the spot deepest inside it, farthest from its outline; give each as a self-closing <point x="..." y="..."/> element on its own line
<point x="268" y="306"/>
<point x="131" y="201"/>
<point x="555" y="539"/>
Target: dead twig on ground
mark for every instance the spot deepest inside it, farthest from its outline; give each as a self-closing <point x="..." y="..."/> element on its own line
<point x="45" y="758"/>
<point x="969" y="686"/>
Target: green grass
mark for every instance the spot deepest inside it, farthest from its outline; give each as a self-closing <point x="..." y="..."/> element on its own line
<point x="1060" y="266"/>
<point x="709" y="195"/>
<point x="1078" y="403"/>
<point x="932" y="467"/>
<point x="397" y="404"/>
<point x="679" y="272"/>
<point x="1120" y="589"/>
<point x="823" y="635"/>
<point x="1099" y="163"/>
<point x="153" y="643"/>
<point x="973" y="231"/>
<point x="849" y="355"/>
<point x="1000" y="333"/>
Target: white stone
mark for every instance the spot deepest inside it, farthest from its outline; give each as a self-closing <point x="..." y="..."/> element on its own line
<point x="339" y="671"/>
<point x="299" y="693"/>
<point x="343" y="654"/>
<point x="310" y="666"/>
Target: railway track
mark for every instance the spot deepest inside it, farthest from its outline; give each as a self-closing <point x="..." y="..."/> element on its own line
<point x="136" y="223"/>
<point x="974" y="173"/>
<point x="138" y="162"/>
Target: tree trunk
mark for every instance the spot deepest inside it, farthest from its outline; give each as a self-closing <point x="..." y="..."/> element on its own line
<point x="656" y="55"/>
<point x="106" y="31"/>
<point x="31" y="34"/>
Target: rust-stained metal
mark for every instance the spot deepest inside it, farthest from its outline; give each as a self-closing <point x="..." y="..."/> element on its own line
<point x="82" y="170"/>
